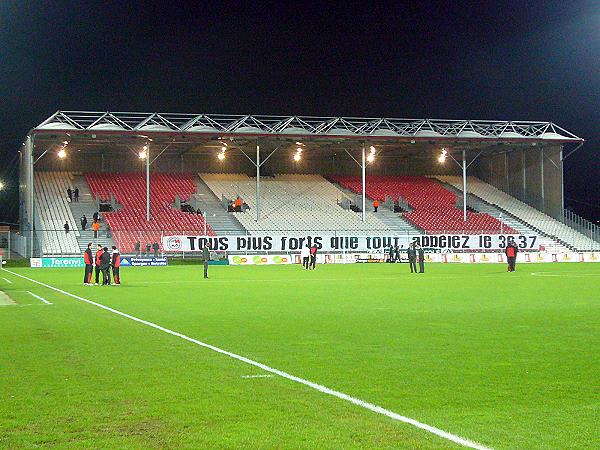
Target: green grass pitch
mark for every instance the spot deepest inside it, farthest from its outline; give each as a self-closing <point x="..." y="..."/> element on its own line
<point x="507" y="360"/>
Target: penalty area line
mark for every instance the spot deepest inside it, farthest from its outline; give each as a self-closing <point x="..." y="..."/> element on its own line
<point x="7" y="280"/>
<point x="323" y="389"/>
<point x="39" y="298"/>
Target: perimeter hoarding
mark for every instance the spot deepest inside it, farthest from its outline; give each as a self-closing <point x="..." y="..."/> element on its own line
<point x="332" y="243"/>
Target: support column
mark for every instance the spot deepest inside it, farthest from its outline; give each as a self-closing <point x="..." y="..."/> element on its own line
<point x="464" y="170"/>
<point x="562" y="184"/>
<point x="542" y="179"/>
<point x="30" y="214"/>
<point x="257" y="181"/>
<point x="148" y="184"/>
<point x="364" y="189"/>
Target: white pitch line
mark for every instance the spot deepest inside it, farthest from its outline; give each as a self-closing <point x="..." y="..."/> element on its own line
<point x="257" y="376"/>
<point x="39" y="298"/>
<point x="7" y="280"/>
<point x="325" y="390"/>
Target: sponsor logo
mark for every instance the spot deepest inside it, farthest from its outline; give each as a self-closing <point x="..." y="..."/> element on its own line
<point x="174" y="243"/>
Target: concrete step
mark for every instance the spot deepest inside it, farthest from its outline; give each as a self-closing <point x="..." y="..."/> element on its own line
<point x="215" y="214"/>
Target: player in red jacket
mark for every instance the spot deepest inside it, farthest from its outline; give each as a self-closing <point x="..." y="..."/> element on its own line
<point x="88" y="259"/>
<point x="511" y="254"/>
<point x="115" y="262"/>
<point x="98" y="256"/>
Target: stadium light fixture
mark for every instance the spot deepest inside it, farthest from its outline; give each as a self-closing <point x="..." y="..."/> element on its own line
<point x="143" y="153"/>
<point x="372" y="149"/>
<point x="297" y="157"/>
<point x="221" y="156"/>
<point x="62" y="154"/>
<point x="443" y="156"/>
<point x="1" y="185"/>
<point x="370" y="157"/>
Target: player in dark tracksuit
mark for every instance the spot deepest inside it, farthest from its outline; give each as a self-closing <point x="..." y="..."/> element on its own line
<point x="313" y="257"/>
<point x="98" y="263"/>
<point x="115" y="263"/>
<point x="105" y="267"/>
<point x="88" y="259"/>
<point x="421" y="254"/>
<point x="511" y="251"/>
<point x="412" y="258"/>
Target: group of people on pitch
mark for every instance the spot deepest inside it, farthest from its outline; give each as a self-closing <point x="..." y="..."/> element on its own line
<point x="105" y="262"/>
<point x="309" y="256"/>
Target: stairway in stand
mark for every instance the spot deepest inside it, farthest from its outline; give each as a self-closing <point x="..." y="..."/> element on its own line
<point x="221" y="221"/>
<point x="87" y="205"/>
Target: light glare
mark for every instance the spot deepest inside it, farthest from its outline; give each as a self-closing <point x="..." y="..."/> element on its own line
<point x="143" y="153"/>
<point x="221" y="156"/>
<point x="62" y="154"/>
<point x="371" y="157"/>
<point x="297" y="157"/>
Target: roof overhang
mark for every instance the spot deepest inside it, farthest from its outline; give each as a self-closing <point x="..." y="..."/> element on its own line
<point x="202" y="127"/>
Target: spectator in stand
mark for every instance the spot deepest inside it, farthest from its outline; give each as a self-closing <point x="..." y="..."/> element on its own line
<point x="148" y="247"/>
<point x="199" y="212"/>
<point x="70" y="194"/>
<point x="96" y="216"/>
<point x="375" y="205"/>
<point x="83" y="222"/>
<point x="155" y="248"/>
<point x="66" y="227"/>
<point x="305" y="255"/>
<point x="237" y="205"/>
<point x="137" y="249"/>
<point x="511" y="254"/>
<point x="391" y="258"/>
<point x="96" y="227"/>
<point x="313" y="256"/>
<point x="76" y="194"/>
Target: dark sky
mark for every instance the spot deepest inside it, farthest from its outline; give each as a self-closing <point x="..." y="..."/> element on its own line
<point x="517" y="60"/>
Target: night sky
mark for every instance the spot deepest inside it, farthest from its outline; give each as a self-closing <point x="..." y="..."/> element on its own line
<point x="514" y="60"/>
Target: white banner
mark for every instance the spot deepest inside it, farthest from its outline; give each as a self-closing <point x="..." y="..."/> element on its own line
<point x="331" y="243"/>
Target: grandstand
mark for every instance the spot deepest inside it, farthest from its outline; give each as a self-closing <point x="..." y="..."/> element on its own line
<point x="52" y="213"/>
<point x="532" y="218"/>
<point x="292" y="202"/>
<point x="433" y="208"/>
<point x="296" y="175"/>
<point x="129" y="224"/>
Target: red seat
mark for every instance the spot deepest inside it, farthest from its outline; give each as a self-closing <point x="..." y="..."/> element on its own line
<point x="434" y="207"/>
<point x="129" y="224"/>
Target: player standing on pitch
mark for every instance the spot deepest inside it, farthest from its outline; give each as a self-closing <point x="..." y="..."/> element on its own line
<point x="511" y="254"/>
<point x="115" y="262"/>
<point x="99" y="252"/>
<point x="88" y="259"/>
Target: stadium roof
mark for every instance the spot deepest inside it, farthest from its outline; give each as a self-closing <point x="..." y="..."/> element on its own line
<point x="301" y="127"/>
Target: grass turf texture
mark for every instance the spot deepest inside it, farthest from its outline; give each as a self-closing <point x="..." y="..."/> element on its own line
<point x="506" y="360"/>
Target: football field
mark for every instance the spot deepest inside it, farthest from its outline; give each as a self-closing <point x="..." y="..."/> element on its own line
<point x="346" y="356"/>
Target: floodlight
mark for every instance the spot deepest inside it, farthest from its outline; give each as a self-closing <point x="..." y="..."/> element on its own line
<point x="299" y="150"/>
<point x="297" y="157"/>
<point x="221" y="156"/>
<point x="223" y="148"/>
<point x="145" y="148"/>
<point x="1" y="185"/>
<point x="143" y="153"/>
<point x="442" y="158"/>
<point x="372" y="149"/>
<point x="370" y="157"/>
<point x="62" y="154"/>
